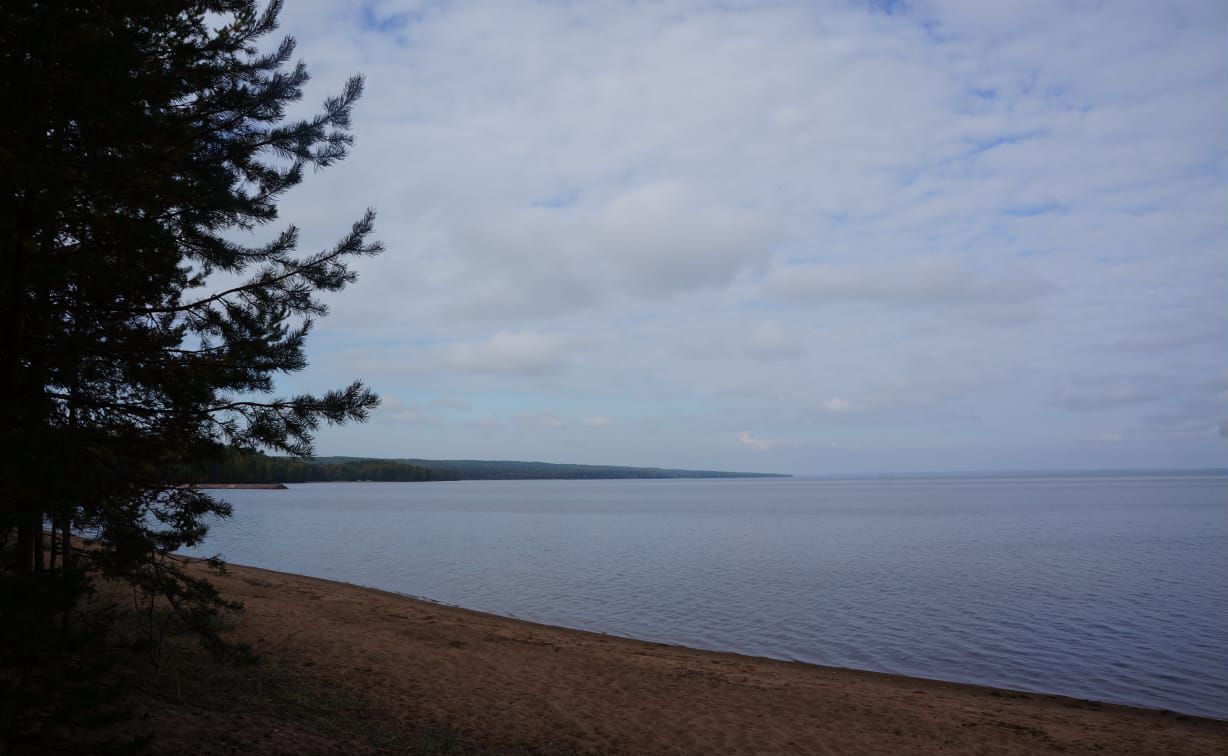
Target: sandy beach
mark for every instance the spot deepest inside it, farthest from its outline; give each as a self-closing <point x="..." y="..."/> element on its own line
<point x="496" y="681"/>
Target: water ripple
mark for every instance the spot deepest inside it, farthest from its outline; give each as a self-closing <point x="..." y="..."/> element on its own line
<point x="1104" y="588"/>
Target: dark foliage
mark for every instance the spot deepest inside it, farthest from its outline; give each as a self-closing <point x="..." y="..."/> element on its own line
<point x="478" y="469"/>
<point x="260" y="468"/>
<point x="140" y="139"/>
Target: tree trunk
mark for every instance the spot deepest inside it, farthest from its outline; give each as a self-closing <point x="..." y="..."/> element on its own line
<point x="40" y="544"/>
<point x="25" y="549"/>
<point x="54" y="543"/>
<point x="66" y="559"/>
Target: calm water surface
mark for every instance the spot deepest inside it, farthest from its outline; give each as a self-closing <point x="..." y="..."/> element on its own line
<point x="1110" y="588"/>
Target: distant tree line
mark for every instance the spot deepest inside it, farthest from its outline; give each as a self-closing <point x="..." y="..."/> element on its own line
<point x="475" y="469"/>
<point x="239" y="467"/>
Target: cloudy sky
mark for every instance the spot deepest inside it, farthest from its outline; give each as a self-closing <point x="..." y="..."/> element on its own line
<point x="808" y="237"/>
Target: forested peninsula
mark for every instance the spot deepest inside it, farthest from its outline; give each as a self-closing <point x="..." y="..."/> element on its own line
<point x="260" y="468"/>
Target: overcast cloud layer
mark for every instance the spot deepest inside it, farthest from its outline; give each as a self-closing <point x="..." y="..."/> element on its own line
<point x="801" y="237"/>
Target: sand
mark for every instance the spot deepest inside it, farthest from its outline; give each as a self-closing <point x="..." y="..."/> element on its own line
<point x="502" y="681"/>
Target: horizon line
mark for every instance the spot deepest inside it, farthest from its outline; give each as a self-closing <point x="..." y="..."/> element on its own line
<point x="847" y="474"/>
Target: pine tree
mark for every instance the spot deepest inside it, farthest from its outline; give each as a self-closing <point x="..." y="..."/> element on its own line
<point x="142" y="140"/>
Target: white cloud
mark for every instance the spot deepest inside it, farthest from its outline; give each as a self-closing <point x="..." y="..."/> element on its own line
<point x="547" y="420"/>
<point x="836" y="405"/>
<point x="770" y="340"/>
<point x="485" y="425"/>
<point x="597" y="421"/>
<point x="661" y="237"/>
<point x="820" y="200"/>
<point x="393" y="410"/>
<point x="1182" y="425"/>
<point x="761" y="444"/>
<point x="934" y="282"/>
<point x="1108" y="393"/>
<point x="512" y="352"/>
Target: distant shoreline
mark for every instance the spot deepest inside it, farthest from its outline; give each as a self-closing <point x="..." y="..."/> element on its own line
<point x="491" y="469"/>
<point x="241" y="470"/>
<point x="233" y="486"/>
<point x="971" y="477"/>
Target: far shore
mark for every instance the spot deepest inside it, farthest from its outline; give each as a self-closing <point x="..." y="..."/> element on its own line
<point x="500" y="681"/>
<point x="235" y="486"/>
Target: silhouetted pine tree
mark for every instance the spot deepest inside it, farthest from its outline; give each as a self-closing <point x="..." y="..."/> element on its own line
<point x="138" y="334"/>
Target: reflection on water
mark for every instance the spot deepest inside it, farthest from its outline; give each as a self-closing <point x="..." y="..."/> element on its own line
<point x="1109" y="588"/>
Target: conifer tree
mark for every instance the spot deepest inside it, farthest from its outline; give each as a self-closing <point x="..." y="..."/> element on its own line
<point x="140" y="330"/>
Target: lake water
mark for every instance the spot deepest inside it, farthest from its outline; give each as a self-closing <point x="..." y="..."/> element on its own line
<point x="1109" y="588"/>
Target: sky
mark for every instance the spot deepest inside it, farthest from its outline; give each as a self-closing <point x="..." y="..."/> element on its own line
<point x="800" y="237"/>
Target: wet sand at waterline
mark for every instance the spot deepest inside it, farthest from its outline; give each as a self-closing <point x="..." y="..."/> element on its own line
<point x="497" y="681"/>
